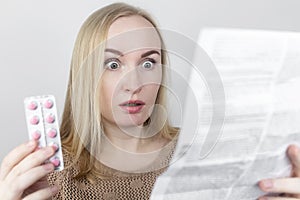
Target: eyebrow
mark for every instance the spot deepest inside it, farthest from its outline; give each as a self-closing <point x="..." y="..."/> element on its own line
<point x="148" y="53"/>
<point x="114" y="51"/>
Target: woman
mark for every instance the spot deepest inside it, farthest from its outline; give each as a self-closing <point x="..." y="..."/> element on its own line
<point x="115" y="100"/>
<point x="124" y="84"/>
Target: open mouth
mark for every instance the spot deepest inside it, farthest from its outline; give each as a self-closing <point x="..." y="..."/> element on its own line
<point x="132" y="103"/>
<point x="132" y="106"/>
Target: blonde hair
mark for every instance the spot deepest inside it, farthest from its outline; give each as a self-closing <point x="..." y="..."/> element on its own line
<point x="81" y="121"/>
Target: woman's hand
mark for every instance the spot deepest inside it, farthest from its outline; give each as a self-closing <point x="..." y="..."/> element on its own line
<point x="23" y="174"/>
<point x="289" y="187"/>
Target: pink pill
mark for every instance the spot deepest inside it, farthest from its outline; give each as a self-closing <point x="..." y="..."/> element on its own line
<point x="32" y="105"/>
<point x="48" y="103"/>
<point x="52" y="133"/>
<point x="50" y="118"/>
<point x="36" y="135"/>
<point x="55" y="161"/>
<point x="34" y="120"/>
<point x="54" y="145"/>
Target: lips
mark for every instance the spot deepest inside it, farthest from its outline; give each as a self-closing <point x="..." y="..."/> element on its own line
<point x="132" y="106"/>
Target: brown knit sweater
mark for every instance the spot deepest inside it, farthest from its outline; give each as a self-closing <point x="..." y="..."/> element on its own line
<point x="120" y="186"/>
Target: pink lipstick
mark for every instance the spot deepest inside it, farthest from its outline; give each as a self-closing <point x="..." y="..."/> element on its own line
<point x="132" y="106"/>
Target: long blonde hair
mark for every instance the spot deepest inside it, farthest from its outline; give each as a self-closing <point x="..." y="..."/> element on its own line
<point x="81" y="120"/>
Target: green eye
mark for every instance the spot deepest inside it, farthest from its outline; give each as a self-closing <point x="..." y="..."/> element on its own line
<point x="113" y="65"/>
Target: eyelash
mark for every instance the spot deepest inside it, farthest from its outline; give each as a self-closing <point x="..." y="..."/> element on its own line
<point x="149" y="60"/>
<point x="110" y="60"/>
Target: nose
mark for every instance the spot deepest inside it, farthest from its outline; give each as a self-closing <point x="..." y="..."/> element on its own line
<point x="132" y="81"/>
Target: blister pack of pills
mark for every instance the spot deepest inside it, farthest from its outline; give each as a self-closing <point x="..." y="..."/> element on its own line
<point x="42" y="124"/>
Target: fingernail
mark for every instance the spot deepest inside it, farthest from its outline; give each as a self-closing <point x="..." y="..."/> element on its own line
<point x="49" y="151"/>
<point x="267" y="184"/>
<point x="263" y="198"/>
<point x="31" y="143"/>
<point x="54" y="189"/>
<point x="294" y="151"/>
<point x="49" y="167"/>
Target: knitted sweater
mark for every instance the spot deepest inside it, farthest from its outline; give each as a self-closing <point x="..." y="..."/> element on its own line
<point x="122" y="185"/>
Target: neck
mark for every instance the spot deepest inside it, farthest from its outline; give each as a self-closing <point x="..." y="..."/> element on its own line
<point x="132" y="139"/>
<point x="125" y="151"/>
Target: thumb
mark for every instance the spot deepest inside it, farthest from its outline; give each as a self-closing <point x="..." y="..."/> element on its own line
<point x="294" y="156"/>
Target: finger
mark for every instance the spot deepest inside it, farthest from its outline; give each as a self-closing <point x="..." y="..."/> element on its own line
<point x="43" y="194"/>
<point x="283" y="185"/>
<point x="15" y="156"/>
<point x="32" y="176"/>
<point x="43" y="183"/>
<point x="277" y="198"/>
<point x="294" y="155"/>
<point x="33" y="160"/>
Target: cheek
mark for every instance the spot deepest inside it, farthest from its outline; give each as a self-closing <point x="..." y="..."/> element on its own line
<point x="107" y="91"/>
<point x="152" y="92"/>
<point x="155" y="80"/>
<point x="106" y="94"/>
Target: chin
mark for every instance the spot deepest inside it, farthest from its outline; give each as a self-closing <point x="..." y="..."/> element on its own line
<point x="130" y="120"/>
<point x="130" y="123"/>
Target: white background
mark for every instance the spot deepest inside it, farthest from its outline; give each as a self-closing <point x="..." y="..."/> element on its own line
<point x="37" y="37"/>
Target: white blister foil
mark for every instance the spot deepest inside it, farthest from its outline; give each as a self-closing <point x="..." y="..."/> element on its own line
<point x="42" y="124"/>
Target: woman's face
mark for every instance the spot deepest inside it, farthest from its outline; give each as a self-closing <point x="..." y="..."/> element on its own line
<point x="132" y="74"/>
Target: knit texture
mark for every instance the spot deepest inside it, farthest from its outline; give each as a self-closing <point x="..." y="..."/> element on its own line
<point x="122" y="185"/>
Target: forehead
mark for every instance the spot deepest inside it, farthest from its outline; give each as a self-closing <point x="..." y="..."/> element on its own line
<point x="132" y="33"/>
